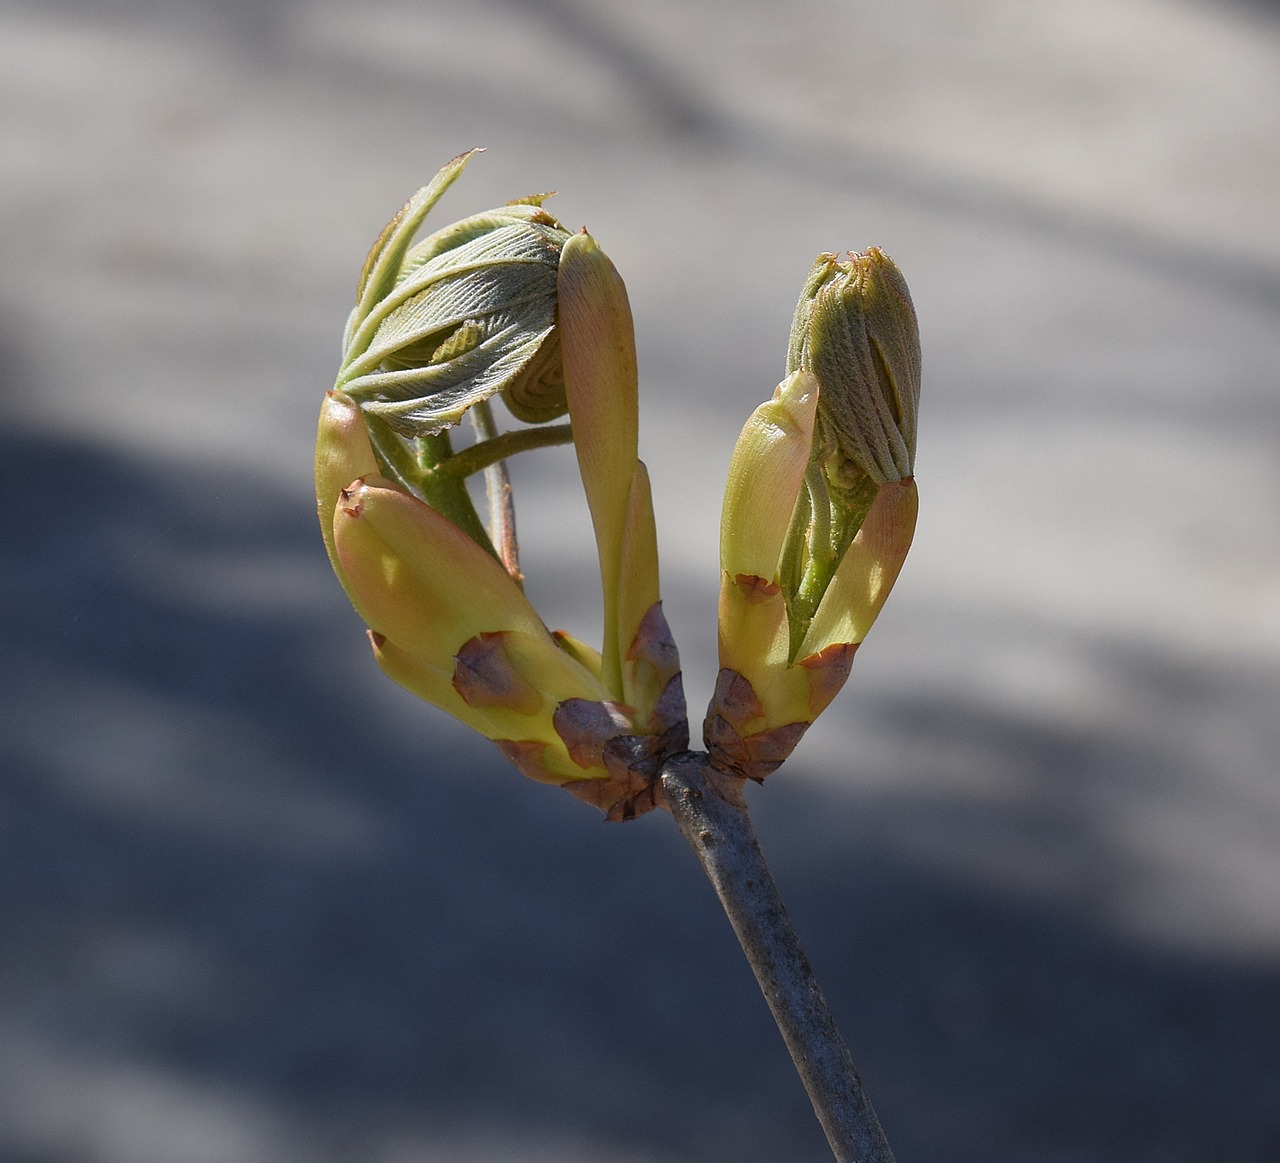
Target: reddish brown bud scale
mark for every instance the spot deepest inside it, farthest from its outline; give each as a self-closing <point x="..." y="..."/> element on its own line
<point x="755" y="589"/>
<point x="586" y="727"/>
<point x="484" y="676"/>
<point x="735" y="699"/>
<point x="828" y="671"/>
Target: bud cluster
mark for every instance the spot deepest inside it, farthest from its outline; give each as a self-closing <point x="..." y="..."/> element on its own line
<point x="819" y="508"/>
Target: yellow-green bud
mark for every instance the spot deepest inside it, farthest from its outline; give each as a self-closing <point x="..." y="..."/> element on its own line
<point x="855" y="329"/>
<point x="450" y="624"/>
<point x="819" y="511"/>
<point x="855" y="333"/>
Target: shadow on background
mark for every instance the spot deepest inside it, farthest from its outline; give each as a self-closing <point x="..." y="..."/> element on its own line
<point x="258" y="905"/>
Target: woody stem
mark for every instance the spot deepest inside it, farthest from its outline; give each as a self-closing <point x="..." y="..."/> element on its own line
<point x="709" y="809"/>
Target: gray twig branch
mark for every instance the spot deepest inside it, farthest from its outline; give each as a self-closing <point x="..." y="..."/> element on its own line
<point x="712" y="816"/>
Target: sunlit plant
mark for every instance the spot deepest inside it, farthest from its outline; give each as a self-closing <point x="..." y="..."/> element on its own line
<point x="508" y="307"/>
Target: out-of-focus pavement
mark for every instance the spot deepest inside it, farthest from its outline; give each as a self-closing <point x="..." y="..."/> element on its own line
<point x="257" y="906"/>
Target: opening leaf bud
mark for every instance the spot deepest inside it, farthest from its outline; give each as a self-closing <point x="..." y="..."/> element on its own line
<point x="501" y="303"/>
<point x="855" y="329"/>
<point x="819" y="510"/>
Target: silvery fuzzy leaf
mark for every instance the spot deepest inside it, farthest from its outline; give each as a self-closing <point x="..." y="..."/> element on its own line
<point x="426" y="400"/>
<point x="453" y="236"/>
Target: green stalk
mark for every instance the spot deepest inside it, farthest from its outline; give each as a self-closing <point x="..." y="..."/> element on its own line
<point x="412" y="465"/>
<point x="502" y="447"/>
<point x="497" y="488"/>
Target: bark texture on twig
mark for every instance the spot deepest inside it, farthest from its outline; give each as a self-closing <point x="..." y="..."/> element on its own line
<point x="712" y="816"/>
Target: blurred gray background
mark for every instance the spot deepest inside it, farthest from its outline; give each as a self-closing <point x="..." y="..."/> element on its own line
<point x="259" y="906"/>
